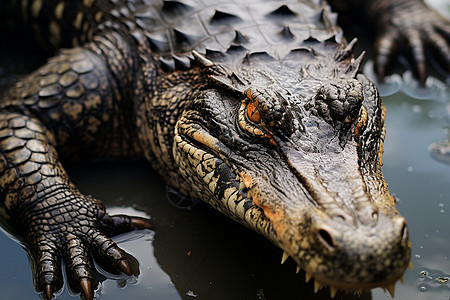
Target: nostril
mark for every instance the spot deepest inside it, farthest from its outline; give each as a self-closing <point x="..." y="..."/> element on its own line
<point x="341" y="217"/>
<point x="326" y="238"/>
<point x="375" y="216"/>
<point x="404" y="233"/>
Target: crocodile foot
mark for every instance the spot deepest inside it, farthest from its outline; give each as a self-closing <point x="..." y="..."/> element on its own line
<point x="70" y="230"/>
<point x="426" y="29"/>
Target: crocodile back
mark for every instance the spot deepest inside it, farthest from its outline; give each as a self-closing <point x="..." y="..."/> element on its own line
<point x="233" y="29"/>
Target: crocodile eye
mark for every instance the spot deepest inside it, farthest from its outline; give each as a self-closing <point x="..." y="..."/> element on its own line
<point x="253" y="113"/>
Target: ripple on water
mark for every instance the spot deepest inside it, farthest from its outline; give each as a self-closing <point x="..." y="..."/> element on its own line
<point x="430" y="279"/>
<point x="434" y="88"/>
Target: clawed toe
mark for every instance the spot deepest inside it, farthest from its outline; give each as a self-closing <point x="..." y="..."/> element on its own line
<point x="86" y="289"/>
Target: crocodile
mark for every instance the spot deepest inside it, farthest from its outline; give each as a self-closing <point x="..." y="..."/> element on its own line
<point x="257" y="108"/>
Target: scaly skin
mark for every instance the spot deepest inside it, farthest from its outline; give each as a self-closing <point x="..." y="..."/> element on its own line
<point x="258" y="110"/>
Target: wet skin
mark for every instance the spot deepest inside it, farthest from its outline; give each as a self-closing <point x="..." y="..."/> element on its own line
<point x="263" y="117"/>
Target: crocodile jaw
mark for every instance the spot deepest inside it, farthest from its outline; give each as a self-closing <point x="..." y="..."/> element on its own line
<point x="346" y="249"/>
<point x="313" y="185"/>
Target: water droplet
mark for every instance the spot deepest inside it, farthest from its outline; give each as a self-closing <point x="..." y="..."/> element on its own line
<point x="417" y="256"/>
<point x="423" y="288"/>
<point x="410" y="169"/>
<point x="443" y="280"/>
<point x="416" y="108"/>
<point x="190" y="293"/>
<point x="441" y="204"/>
<point x="423" y="273"/>
<point x="442" y="211"/>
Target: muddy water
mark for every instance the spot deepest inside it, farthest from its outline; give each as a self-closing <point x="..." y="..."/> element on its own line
<point x="200" y="254"/>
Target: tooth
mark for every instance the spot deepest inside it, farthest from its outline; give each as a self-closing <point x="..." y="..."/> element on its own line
<point x="358" y="292"/>
<point x="333" y="291"/>
<point x="317" y="286"/>
<point x="285" y="256"/>
<point x="402" y="279"/>
<point x="298" y="270"/>
<point x="391" y="289"/>
<point x="410" y="266"/>
<point x="307" y="277"/>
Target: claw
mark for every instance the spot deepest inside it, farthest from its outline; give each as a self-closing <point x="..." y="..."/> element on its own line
<point x="124" y="266"/>
<point x="421" y="72"/>
<point x="307" y="277"/>
<point x="381" y="67"/>
<point x="86" y="287"/>
<point x="298" y="270"/>
<point x="49" y="291"/>
<point x="140" y="223"/>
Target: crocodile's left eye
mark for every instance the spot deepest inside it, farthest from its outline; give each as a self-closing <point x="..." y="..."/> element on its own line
<point x="361" y="123"/>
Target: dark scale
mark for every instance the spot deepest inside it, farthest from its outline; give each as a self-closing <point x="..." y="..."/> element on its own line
<point x="255" y="107"/>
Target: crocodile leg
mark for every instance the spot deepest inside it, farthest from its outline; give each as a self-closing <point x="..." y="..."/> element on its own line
<point x="408" y="26"/>
<point x="39" y="203"/>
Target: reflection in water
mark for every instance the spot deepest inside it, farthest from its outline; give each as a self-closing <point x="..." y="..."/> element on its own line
<point x="205" y="255"/>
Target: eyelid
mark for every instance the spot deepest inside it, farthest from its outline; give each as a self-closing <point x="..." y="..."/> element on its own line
<point x="243" y="122"/>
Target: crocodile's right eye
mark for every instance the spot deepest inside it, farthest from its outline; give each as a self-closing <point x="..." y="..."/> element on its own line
<point x="253" y="113"/>
<point x="249" y="119"/>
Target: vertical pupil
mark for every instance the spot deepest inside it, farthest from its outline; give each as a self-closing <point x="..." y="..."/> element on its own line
<point x="253" y="113"/>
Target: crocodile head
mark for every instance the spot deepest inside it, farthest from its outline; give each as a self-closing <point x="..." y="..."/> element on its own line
<point x="294" y="152"/>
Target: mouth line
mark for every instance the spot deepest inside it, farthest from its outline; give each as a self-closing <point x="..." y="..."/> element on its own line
<point x="239" y="189"/>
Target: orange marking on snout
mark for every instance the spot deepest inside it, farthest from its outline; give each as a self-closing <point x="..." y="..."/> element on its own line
<point x="274" y="216"/>
<point x="247" y="179"/>
<point x="381" y="152"/>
